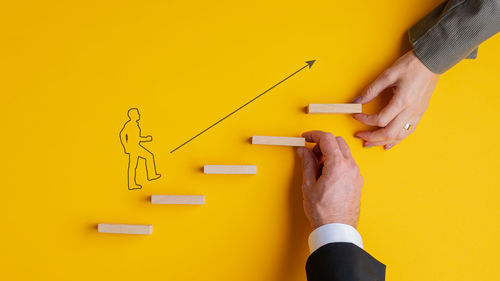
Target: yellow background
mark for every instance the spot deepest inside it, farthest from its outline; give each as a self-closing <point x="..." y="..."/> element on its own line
<point x="70" y="70"/>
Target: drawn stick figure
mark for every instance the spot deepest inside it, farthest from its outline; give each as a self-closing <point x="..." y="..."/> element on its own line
<point x="130" y="137"/>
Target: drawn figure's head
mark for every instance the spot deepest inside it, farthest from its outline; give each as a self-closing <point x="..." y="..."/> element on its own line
<point x="133" y="114"/>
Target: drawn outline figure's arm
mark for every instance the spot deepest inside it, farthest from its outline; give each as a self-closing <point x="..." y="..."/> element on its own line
<point x="144" y="138"/>
<point x="123" y="138"/>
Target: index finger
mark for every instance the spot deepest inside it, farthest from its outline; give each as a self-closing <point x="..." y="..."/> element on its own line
<point x="386" y="115"/>
<point x="326" y="141"/>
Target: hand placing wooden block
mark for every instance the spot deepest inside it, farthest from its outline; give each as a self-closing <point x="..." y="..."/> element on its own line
<point x="125" y="228"/>
<point x="334" y="108"/>
<point x="285" y="141"/>
<point x="230" y="169"/>
<point x="178" y="199"/>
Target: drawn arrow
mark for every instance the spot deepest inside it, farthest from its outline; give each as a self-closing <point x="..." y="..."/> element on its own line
<point x="309" y="64"/>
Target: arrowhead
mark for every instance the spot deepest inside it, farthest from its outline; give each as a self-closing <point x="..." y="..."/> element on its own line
<point x="310" y="63"/>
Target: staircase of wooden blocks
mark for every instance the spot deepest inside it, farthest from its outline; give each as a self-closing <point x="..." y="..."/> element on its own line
<point x="228" y="170"/>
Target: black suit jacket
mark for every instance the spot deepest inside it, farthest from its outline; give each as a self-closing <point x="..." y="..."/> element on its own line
<point x="343" y="262"/>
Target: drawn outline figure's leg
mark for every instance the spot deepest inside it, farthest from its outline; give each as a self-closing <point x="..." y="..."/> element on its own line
<point x="133" y="161"/>
<point x="150" y="164"/>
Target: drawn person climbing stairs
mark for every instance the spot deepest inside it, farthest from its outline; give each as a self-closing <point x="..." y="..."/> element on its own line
<point x="131" y="139"/>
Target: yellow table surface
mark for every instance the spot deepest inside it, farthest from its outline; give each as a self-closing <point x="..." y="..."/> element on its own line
<point x="70" y="70"/>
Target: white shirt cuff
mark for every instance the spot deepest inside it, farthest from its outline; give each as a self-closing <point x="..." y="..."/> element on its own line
<point x="334" y="233"/>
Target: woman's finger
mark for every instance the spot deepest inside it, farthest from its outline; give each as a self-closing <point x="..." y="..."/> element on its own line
<point x="377" y="135"/>
<point x="391" y="132"/>
<point x="368" y="144"/>
<point x="391" y="145"/>
<point x="385" y="80"/>
<point x="385" y="116"/>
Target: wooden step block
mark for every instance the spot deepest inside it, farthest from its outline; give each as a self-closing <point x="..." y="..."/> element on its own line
<point x="178" y="199"/>
<point x="230" y="169"/>
<point x="285" y="141"/>
<point x="125" y="228"/>
<point x="334" y="108"/>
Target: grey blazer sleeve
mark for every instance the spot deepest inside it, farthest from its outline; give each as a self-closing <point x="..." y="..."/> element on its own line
<point x="453" y="31"/>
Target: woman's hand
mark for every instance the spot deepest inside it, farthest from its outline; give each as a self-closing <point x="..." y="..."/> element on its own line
<point x="412" y="84"/>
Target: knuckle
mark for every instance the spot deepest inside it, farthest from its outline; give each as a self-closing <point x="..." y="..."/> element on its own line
<point x="370" y="90"/>
<point x="330" y="180"/>
<point x="328" y="135"/>
<point x="393" y="131"/>
<point x="382" y="121"/>
<point x="361" y="181"/>
<point x="340" y="160"/>
<point x="333" y="162"/>
<point x="393" y="135"/>
<point x="388" y="75"/>
<point x="337" y="161"/>
<point x="406" y="99"/>
<point x="355" y="169"/>
<point x="369" y="138"/>
<point x="307" y="183"/>
<point x="400" y="102"/>
<point x="328" y="138"/>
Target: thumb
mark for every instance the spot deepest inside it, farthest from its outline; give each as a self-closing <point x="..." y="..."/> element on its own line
<point x="385" y="80"/>
<point x="309" y="167"/>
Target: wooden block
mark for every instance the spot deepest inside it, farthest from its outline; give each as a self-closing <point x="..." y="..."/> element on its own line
<point x="178" y="199"/>
<point x="334" y="108"/>
<point x="286" y="141"/>
<point x="125" y="228"/>
<point x="230" y="169"/>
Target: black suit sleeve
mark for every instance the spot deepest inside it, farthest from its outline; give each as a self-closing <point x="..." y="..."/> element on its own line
<point x="343" y="262"/>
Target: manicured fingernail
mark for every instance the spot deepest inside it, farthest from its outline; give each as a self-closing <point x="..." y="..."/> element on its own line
<point x="389" y="146"/>
<point x="356" y="100"/>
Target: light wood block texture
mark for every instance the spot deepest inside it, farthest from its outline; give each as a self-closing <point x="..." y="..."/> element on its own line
<point x="230" y="169"/>
<point x="178" y="199"/>
<point x="125" y="228"/>
<point x="334" y="108"/>
<point x="284" y="141"/>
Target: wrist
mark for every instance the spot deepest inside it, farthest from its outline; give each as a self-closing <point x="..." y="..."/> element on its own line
<point x="418" y="64"/>
<point x="321" y="220"/>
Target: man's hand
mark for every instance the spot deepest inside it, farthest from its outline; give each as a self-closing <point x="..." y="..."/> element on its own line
<point x="331" y="181"/>
<point x="412" y="84"/>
